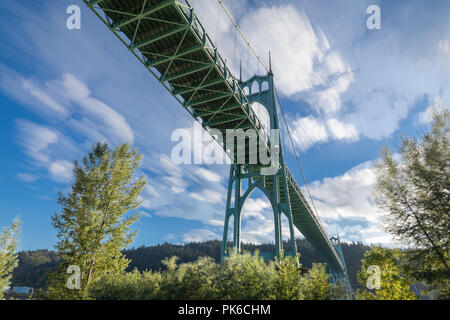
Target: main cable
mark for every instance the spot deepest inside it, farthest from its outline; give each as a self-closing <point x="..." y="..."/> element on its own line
<point x="242" y="35"/>
<point x="296" y="155"/>
<point x="279" y="103"/>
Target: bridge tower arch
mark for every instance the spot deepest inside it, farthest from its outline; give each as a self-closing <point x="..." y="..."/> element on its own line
<point x="259" y="89"/>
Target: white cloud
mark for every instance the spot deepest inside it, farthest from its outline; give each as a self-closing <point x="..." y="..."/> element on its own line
<point x="151" y="190"/>
<point x="426" y="116"/>
<point x="61" y="171"/>
<point x="173" y="191"/>
<point x="68" y="105"/>
<point x="112" y="123"/>
<point x="347" y="196"/>
<point x="200" y="235"/>
<point x="208" y="175"/>
<point x="381" y="239"/>
<point x="145" y="214"/>
<point x="36" y="140"/>
<point x="305" y="64"/>
<point x="68" y="101"/>
<point x="378" y="114"/>
<point x="207" y="196"/>
<point x="444" y="46"/>
<point x="27" y="177"/>
<point x="300" y="58"/>
<point x="329" y="98"/>
<point x="347" y="199"/>
<point x="44" y="98"/>
<point x="341" y="130"/>
<point x="308" y="131"/>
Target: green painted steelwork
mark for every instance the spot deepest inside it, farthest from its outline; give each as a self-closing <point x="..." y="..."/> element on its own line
<point x="169" y="40"/>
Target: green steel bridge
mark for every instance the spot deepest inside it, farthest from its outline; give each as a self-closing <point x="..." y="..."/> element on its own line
<point x="169" y="40"/>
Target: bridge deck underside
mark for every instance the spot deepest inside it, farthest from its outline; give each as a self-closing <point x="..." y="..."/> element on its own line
<point x="167" y="37"/>
<point x="171" y="42"/>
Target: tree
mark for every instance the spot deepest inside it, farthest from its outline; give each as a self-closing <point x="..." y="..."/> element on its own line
<point x="8" y="255"/>
<point x="193" y="280"/>
<point x="127" y="286"/>
<point x="382" y="268"/>
<point x="290" y="278"/>
<point x="246" y="276"/>
<point x="94" y="224"/>
<point x="316" y="285"/>
<point x="415" y="191"/>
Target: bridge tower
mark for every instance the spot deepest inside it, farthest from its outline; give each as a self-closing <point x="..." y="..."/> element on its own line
<point x="271" y="185"/>
<point x="336" y="276"/>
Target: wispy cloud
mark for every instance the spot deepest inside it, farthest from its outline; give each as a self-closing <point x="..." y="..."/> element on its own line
<point x="61" y="170"/>
<point x="27" y="177"/>
<point x="87" y="118"/>
<point x="308" y="131"/>
<point x="36" y="140"/>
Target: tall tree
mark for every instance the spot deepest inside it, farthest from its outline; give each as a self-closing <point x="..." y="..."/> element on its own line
<point x="95" y="222"/>
<point x="383" y="271"/>
<point x="415" y="191"/>
<point x="8" y="255"/>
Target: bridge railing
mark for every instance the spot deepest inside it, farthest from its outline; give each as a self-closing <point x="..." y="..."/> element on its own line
<point x="185" y="8"/>
<point x="299" y="192"/>
<point x="197" y="26"/>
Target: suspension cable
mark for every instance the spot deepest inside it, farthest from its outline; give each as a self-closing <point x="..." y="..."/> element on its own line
<point x="279" y="103"/>
<point x="242" y="35"/>
<point x="296" y="155"/>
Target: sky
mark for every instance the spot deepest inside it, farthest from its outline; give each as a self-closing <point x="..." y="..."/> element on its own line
<point x="347" y="90"/>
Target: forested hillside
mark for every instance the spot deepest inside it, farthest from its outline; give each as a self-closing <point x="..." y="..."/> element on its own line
<point x="35" y="265"/>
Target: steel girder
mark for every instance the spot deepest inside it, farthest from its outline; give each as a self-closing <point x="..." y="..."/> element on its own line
<point x="167" y="37"/>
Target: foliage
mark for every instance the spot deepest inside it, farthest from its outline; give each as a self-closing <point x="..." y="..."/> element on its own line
<point x="93" y="226"/>
<point x="246" y="276"/>
<point x="289" y="279"/>
<point x="192" y="280"/>
<point x="242" y="276"/>
<point x="415" y="193"/>
<point x="34" y="266"/>
<point x="127" y="286"/>
<point x="316" y="285"/>
<point x="394" y="282"/>
<point x="8" y="255"/>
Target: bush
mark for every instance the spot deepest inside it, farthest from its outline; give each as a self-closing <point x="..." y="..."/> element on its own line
<point x="242" y="276"/>
<point x="128" y="286"/>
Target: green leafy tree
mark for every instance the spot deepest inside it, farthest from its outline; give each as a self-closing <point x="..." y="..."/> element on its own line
<point x="290" y="278"/>
<point x="316" y="285"/>
<point x="8" y="255"/>
<point x="415" y="191"/>
<point x="192" y="280"/>
<point x="95" y="224"/>
<point x="246" y="276"/>
<point x="128" y="286"/>
<point x="393" y="281"/>
<point x="242" y="276"/>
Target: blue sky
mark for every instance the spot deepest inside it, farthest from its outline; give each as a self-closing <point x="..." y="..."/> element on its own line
<point x="347" y="90"/>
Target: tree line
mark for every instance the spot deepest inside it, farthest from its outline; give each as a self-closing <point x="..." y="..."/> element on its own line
<point x="34" y="266"/>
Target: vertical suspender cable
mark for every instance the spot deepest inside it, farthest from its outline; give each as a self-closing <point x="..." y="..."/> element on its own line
<point x="242" y="35"/>
<point x="296" y="155"/>
<point x="278" y="99"/>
